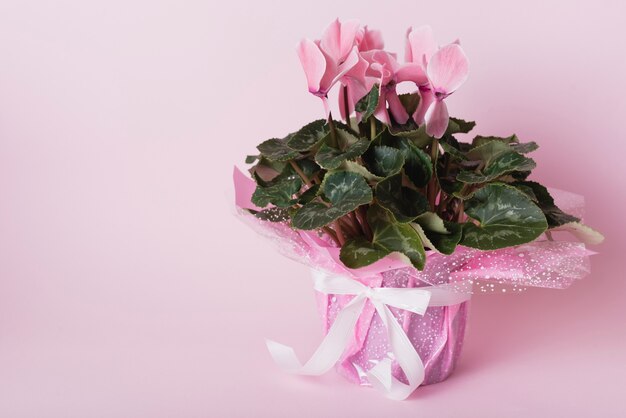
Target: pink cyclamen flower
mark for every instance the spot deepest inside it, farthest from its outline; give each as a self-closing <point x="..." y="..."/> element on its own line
<point x="356" y="84"/>
<point x="385" y="71"/>
<point x="334" y="57"/>
<point x="446" y="69"/>
<point x="368" y="39"/>
<point x="420" y="46"/>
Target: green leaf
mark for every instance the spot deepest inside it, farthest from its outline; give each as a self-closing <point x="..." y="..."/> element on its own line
<point x="251" y="158"/>
<point x="528" y="191"/>
<point x="315" y="215"/>
<point x="405" y="204"/>
<point x="345" y="138"/>
<point x="525" y="148"/>
<point x="409" y="101"/>
<point x="277" y="150"/>
<point x="308" y="167"/>
<point x="308" y="136"/>
<point x="506" y="217"/>
<point x="359" y="169"/>
<point x="331" y="158"/>
<point x="439" y="235"/>
<point x="395" y="237"/>
<point x="388" y="237"/>
<point x="309" y="194"/>
<point x="554" y="215"/>
<point x="411" y="131"/>
<point x="359" y="252"/>
<point x="480" y="140"/>
<point x="432" y="222"/>
<point x="519" y="175"/>
<point x="446" y="167"/>
<point x="454" y="153"/>
<point x="446" y="243"/>
<point x="384" y="161"/>
<point x="488" y="151"/>
<point x="266" y="170"/>
<point x="512" y="141"/>
<point x="446" y="175"/>
<point x="501" y="164"/>
<point x="345" y="192"/>
<point x="279" y="191"/>
<point x="418" y="166"/>
<point x="274" y="214"/>
<point x="367" y="105"/>
<point x="456" y="126"/>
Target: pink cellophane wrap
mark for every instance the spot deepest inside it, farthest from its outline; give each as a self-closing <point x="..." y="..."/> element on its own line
<point x="437" y="336"/>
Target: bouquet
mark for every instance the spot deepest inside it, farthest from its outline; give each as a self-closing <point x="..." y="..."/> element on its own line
<point x="400" y="220"/>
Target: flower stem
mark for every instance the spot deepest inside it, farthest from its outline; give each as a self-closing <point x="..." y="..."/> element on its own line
<point x="432" y="186"/>
<point x="333" y="131"/>
<point x="372" y="127"/>
<point x="298" y="170"/>
<point x="340" y="237"/>
<point x="461" y="213"/>
<point x="443" y="202"/>
<point x="356" y="223"/>
<point x="361" y="214"/>
<point x="346" y="105"/>
<point x="349" y="226"/>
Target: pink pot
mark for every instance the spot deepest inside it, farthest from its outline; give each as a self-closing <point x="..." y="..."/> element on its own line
<point x="437" y="335"/>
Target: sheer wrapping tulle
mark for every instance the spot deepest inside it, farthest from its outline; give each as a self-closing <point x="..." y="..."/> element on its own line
<point x="438" y="335"/>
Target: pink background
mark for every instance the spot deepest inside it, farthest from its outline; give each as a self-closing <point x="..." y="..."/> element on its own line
<point x="128" y="289"/>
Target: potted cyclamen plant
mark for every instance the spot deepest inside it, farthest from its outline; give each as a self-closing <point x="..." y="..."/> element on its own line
<point x="398" y="217"/>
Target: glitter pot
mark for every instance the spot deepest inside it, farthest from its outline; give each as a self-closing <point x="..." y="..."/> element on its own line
<point x="437" y="335"/>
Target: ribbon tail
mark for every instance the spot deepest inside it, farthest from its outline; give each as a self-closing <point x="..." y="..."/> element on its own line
<point x="380" y="376"/>
<point x="329" y="351"/>
<point x="406" y="356"/>
<point x="284" y="356"/>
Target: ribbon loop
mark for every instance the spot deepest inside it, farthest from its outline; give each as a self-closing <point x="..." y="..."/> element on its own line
<point x="410" y="299"/>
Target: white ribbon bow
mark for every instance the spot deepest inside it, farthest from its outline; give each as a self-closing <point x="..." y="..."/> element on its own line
<point x="415" y="300"/>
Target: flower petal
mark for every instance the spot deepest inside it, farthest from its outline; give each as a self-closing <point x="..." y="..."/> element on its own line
<point x="427" y="97"/>
<point x="408" y="52"/>
<point x="382" y="65"/>
<point x="448" y="68"/>
<point x="352" y="59"/>
<point x="339" y="38"/>
<point x="437" y="119"/>
<point x="370" y="39"/>
<point x="412" y="72"/>
<point x="358" y="71"/>
<point x="313" y="63"/>
<point x="331" y="39"/>
<point x="396" y="108"/>
<point x="381" y="110"/>
<point x="349" y="30"/>
<point x="420" y="45"/>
